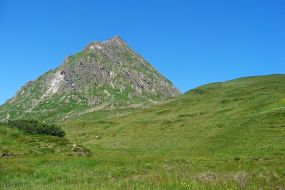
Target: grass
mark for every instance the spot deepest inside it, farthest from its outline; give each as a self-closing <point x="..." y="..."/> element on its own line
<point x="219" y="136"/>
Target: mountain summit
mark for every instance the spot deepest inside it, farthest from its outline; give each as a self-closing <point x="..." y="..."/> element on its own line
<point x="105" y="74"/>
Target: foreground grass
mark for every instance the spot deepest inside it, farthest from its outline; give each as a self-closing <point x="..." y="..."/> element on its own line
<point x="125" y="172"/>
<point x="119" y="171"/>
<point x="219" y="136"/>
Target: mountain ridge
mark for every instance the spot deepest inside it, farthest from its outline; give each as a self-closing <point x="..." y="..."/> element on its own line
<point x="103" y="74"/>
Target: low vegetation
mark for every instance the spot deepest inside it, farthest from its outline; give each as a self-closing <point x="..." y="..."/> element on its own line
<point x="219" y="136"/>
<point x="35" y="127"/>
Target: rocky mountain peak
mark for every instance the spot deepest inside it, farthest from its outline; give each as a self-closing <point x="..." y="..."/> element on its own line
<point x="104" y="75"/>
<point x="116" y="41"/>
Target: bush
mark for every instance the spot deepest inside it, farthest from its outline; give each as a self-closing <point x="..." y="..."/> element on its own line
<point x="35" y="127"/>
<point x="237" y="158"/>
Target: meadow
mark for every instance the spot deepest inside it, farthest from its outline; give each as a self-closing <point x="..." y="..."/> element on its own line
<point x="219" y="136"/>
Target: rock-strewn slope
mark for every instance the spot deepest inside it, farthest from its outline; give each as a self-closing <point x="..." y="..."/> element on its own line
<point x="104" y="75"/>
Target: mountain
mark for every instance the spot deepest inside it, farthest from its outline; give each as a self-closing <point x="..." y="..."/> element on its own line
<point x="104" y="75"/>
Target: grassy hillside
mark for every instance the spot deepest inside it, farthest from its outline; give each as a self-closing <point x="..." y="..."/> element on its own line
<point x="27" y="160"/>
<point x="230" y="132"/>
<point x="219" y="136"/>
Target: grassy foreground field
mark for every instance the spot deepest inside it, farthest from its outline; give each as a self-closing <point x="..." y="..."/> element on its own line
<point x="219" y="136"/>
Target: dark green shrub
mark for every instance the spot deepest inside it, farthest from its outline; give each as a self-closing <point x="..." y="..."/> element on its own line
<point x="237" y="159"/>
<point x="35" y="127"/>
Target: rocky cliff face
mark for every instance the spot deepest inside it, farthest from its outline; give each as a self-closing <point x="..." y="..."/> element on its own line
<point x="104" y="75"/>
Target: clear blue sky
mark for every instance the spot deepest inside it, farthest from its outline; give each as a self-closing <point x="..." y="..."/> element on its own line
<point x="191" y="42"/>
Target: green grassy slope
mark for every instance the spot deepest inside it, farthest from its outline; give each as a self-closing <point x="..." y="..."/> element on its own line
<point x="230" y="128"/>
<point x="219" y="136"/>
<point x="26" y="159"/>
<point x="239" y="117"/>
<point x="15" y="143"/>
